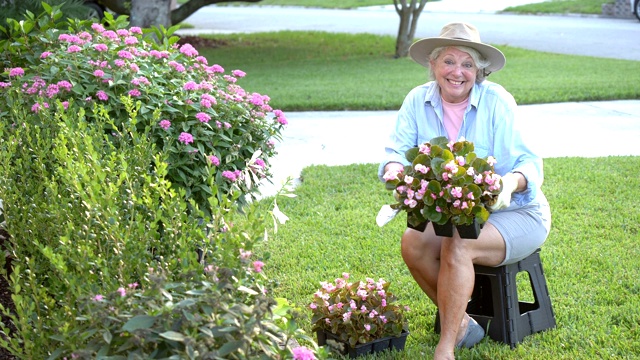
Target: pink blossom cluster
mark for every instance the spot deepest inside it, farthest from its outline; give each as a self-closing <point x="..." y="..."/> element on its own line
<point x="361" y="305"/>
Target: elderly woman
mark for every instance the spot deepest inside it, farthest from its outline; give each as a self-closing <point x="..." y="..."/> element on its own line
<point x="459" y="102"/>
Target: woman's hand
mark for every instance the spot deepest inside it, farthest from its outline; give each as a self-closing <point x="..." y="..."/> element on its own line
<point x="510" y="183"/>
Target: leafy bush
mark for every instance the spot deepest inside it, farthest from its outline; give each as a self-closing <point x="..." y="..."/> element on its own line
<point x="88" y="218"/>
<point x="91" y="206"/>
<point x="212" y="129"/>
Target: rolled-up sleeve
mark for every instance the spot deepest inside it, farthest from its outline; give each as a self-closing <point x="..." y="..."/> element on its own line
<point x="513" y="154"/>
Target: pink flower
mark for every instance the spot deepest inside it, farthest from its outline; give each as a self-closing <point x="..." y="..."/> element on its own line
<point x="456" y="192"/>
<point x="98" y="73"/>
<point x="245" y="254"/>
<point x="102" y="95"/>
<point x="134" y="92"/>
<point x="424" y="149"/>
<point x="421" y="168"/>
<point x="190" y="85"/>
<point x="491" y="160"/>
<point x="203" y="117"/>
<point x="130" y="40"/>
<point x="280" y="117"/>
<point x="229" y="175"/>
<point x="217" y="68"/>
<point x="165" y="124"/>
<point x="52" y="90"/>
<point x="98" y="298"/>
<point x="185" y="138"/>
<point x="97" y="27"/>
<point x="122" y="32"/>
<point x="392" y="175"/>
<point x="110" y="34"/>
<point x="176" y="66"/>
<point x="257" y="266"/>
<point x="64" y="85"/>
<point x="14" y="72"/>
<point x="45" y="54"/>
<point x="125" y="54"/>
<point x="367" y="327"/>
<point x="207" y="100"/>
<point x="188" y="50"/>
<point x="74" y="49"/>
<point x="135" y="30"/>
<point x="122" y="291"/>
<point x="303" y="353"/>
<point x="214" y="160"/>
<point x="238" y="73"/>
<point x="100" y="47"/>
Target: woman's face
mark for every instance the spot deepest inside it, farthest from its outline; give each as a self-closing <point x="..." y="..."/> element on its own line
<point x="455" y="72"/>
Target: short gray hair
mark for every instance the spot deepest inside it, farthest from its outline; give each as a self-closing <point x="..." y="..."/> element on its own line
<point x="480" y="62"/>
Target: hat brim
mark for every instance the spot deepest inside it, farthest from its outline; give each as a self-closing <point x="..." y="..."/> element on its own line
<point x="421" y="49"/>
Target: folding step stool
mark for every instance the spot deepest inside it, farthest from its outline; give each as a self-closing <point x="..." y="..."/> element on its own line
<point x="494" y="302"/>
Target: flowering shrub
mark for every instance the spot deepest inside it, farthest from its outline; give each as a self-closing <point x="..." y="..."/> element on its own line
<point x="357" y="312"/>
<point x="445" y="181"/>
<point x="213" y="131"/>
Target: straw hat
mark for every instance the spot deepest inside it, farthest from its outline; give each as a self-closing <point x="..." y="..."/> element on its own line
<point x="457" y="34"/>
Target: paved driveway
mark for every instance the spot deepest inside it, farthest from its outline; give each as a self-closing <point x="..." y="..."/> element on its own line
<point x="580" y="35"/>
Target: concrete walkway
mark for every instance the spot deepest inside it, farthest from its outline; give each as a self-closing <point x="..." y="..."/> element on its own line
<point x="585" y="129"/>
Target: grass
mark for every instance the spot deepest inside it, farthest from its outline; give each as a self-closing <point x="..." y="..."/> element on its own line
<point x="333" y="71"/>
<point x="593" y="7"/>
<point x="591" y="258"/>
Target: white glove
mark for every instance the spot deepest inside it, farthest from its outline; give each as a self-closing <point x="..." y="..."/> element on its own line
<point x="509" y="185"/>
<point x="385" y="215"/>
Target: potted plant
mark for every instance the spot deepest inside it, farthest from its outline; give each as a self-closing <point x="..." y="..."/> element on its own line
<point x="447" y="184"/>
<point x="363" y="316"/>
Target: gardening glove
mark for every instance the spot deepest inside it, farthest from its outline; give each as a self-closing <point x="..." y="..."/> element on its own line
<point x="385" y="215"/>
<point x="509" y="185"/>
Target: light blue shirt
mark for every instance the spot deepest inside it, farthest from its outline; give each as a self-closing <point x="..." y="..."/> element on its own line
<point x="489" y="122"/>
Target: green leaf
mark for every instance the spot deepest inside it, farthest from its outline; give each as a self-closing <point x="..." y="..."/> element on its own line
<point x="229" y="347"/>
<point x="106" y="335"/>
<point x="139" y="322"/>
<point x="173" y="335"/>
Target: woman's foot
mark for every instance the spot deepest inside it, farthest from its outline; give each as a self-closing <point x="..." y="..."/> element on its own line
<point x="472" y="333"/>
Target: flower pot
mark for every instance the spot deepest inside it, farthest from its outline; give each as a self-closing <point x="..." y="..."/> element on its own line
<point x="471" y="231"/>
<point x="445" y="229"/>
<point x="420" y="227"/>
<point x="378" y="345"/>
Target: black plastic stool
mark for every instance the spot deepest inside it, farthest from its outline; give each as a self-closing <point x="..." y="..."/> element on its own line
<point x="494" y="302"/>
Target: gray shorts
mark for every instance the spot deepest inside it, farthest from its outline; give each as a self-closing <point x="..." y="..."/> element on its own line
<point x="524" y="230"/>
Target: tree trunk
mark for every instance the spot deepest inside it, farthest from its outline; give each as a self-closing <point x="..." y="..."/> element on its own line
<point x="409" y="14"/>
<point x="145" y="13"/>
<point x="177" y="14"/>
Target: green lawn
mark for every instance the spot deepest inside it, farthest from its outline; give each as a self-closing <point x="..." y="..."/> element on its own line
<point x="330" y="71"/>
<point x="591" y="258"/>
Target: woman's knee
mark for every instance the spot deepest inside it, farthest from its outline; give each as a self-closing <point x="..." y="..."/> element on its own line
<point x="417" y="248"/>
